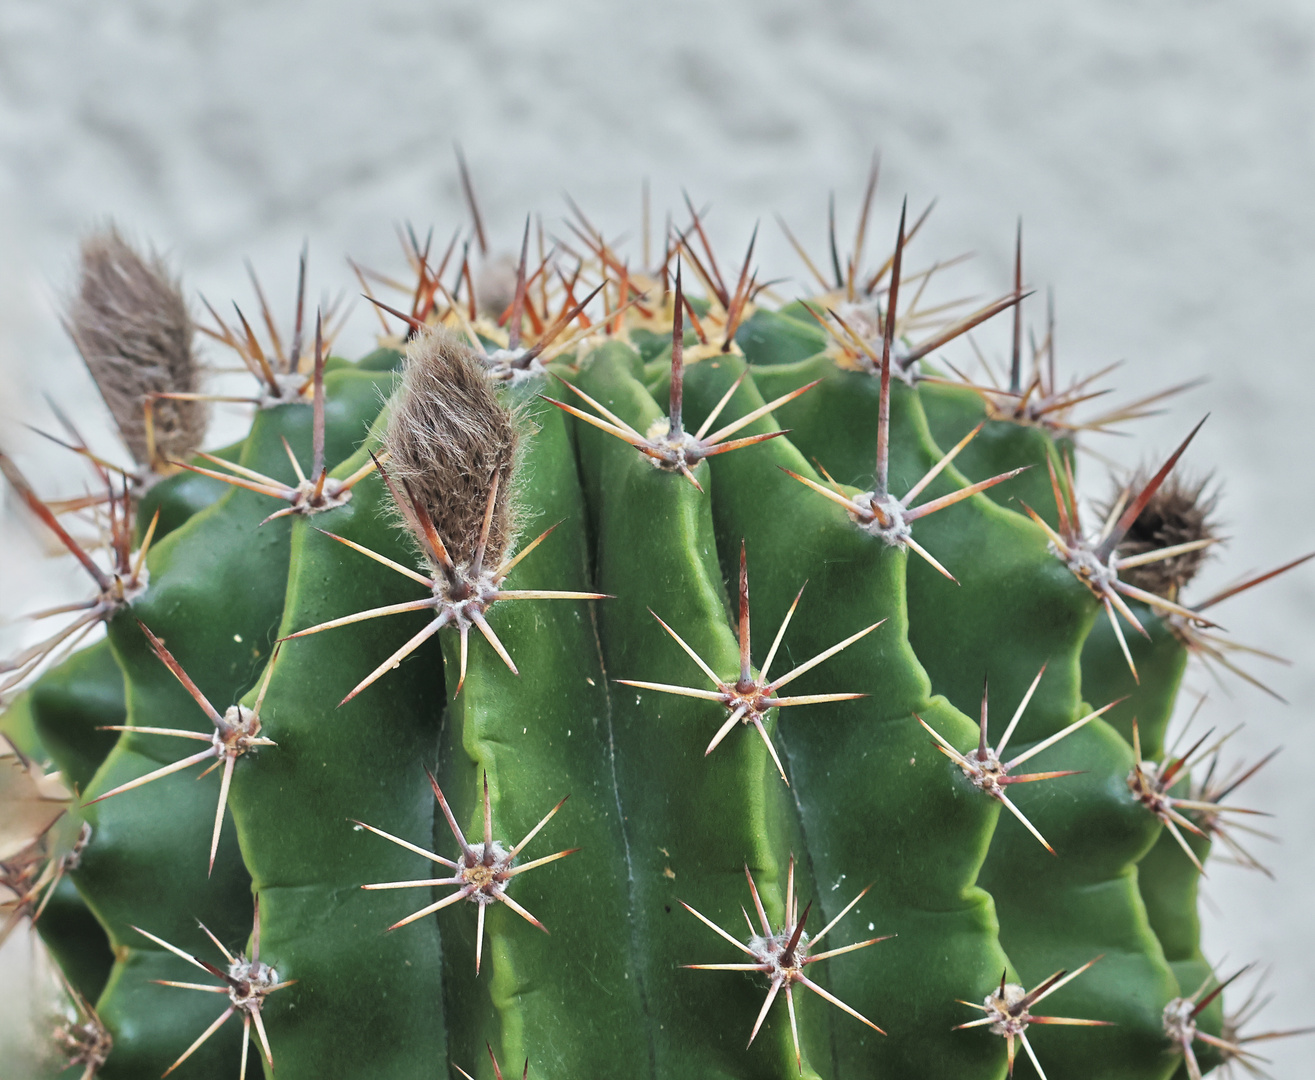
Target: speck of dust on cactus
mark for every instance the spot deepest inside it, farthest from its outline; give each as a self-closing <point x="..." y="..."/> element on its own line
<point x="275" y="600"/>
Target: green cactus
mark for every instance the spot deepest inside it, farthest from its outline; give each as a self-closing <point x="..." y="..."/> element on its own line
<point x="506" y="847"/>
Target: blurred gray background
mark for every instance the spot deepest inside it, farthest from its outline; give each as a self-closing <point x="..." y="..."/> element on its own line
<point x="1162" y="157"/>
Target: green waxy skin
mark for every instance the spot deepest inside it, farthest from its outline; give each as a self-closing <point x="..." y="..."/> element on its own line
<point x="1161" y="659"/>
<point x="76" y="940"/>
<point x="176" y="498"/>
<point x="384" y="358"/>
<point x="772" y="338"/>
<point x="363" y="761"/>
<point x="1169" y="884"/>
<point x="156" y="839"/>
<point x="71" y="703"/>
<point x="17" y="725"/>
<point x="692" y="822"/>
<point x="1001" y="445"/>
<point x="1166" y="877"/>
<point x="775" y="337"/>
<point x="967" y="891"/>
<point x="57" y="720"/>
<point x="1008" y="579"/>
<point x="539" y="737"/>
<point x="857" y="763"/>
<point x="1171" y="904"/>
<point x="185" y="493"/>
<point x="1059" y="911"/>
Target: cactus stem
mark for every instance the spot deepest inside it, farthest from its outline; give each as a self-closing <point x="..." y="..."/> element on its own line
<point x="990" y="775"/>
<point x="782" y="956"/>
<point x="126" y="579"/>
<point x="881" y="515"/>
<point x="459" y="594"/>
<point x="667" y="444"/>
<point x="1008" y="1013"/>
<point x="246" y="982"/>
<point x="483" y="871"/>
<point x="236" y="732"/>
<point x="310" y="495"/>
<point x="748" y="699"/>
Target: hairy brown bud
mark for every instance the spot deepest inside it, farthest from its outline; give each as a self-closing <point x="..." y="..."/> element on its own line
<point x="1180" y="512"/>
<point x="131" y="324"/>
<point x="448" y="438"/>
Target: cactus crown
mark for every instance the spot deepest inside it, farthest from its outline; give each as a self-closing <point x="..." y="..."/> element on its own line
<point x="393" y="789"/>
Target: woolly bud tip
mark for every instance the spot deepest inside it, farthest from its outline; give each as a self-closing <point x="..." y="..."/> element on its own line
<point x="1180" y="512"/>
<point x="448" y="438"/>
<point x="130" y="322"/>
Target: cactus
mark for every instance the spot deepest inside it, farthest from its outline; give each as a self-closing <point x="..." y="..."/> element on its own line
<point x="465" y="631"/>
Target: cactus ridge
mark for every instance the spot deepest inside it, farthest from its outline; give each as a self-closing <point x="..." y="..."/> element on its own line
<point x="584" y="757"/>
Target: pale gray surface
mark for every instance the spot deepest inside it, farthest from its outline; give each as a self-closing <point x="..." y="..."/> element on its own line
<point x="1163" y="161"/>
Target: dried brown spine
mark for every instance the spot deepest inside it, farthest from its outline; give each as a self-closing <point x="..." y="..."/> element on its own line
<point x="448" y="438"/>
<point x="131" y="324"/>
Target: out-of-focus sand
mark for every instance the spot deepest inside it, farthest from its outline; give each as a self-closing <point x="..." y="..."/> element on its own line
<point x="1163" y="159"/>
